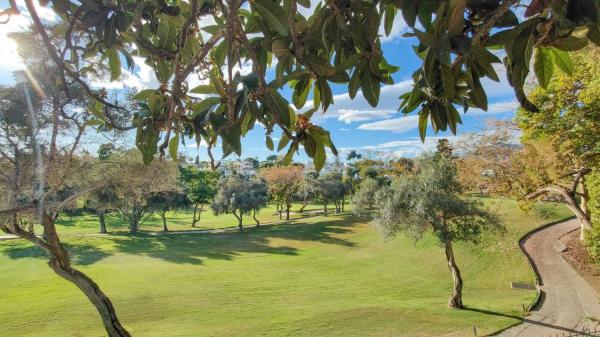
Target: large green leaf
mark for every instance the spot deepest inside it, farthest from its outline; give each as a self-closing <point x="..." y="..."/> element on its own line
<point x="114" y="63"/>
<point x="562" y="59"/>
<point x="174" y="146"/>
<point x="301" y="91"/>
<point x="204" y="89"/>
<point x="272" y="14"/>
<point x="543" y="65"/>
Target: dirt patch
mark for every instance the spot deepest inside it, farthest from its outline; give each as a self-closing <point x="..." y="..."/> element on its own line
<point x="579" y="259"/>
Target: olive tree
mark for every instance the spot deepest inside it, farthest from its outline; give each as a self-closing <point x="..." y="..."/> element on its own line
<point x="365" y="196"/>
<point x="430" y="201"/>
<point x="136" y="183"/>
<point x="239" y="196"/>
<point x="165" y="201"/>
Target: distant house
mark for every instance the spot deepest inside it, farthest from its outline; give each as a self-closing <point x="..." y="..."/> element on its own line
<point x="244" y="168"/>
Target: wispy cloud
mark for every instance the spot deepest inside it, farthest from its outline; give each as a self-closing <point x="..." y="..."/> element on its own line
<point x="398" y="125"/>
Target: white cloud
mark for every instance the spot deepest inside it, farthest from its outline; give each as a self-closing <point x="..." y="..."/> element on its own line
<point x="410" y="122"/>
<point x="343" y="105"/>
<point x="496" y="108"/>
<point x="408" y="147"/>
<point x="398" y="28"/>
<point x="398" y="125"/>
<point x="351" y="115"/>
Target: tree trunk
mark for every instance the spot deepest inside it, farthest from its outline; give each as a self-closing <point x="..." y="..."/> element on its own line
<point x="343" y="203"/>
<point x="134" y="225"/>
<point x="280" y="211"/>
<point x="456" y="299"/>
<point x="164" y="219"/>
<point x="325" y="208"/>
<point x="304" y="204"/>
<point x="239" y="218"/>
<point x="94" y="294"/>
<point x="194" y="220"/>
<point x="287" y="211"/>
<point x="583" y="204"/>
<point x="60" y="263"/>
<point x="568" y="196"/>
<point x="255" y="219"/>
<point x="102" y="222"/>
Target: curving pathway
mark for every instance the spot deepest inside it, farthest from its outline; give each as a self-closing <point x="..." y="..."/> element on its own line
<point x="567" y="300"/>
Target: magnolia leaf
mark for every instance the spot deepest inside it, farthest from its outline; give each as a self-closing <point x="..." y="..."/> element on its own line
<point x="272" y="14"/>
<point x="174" y="146"/>
<point x="114" y="63"/>
<point x="301" y="91"/>
<point x="204" y="89"/>
<point x="543" y="65"/>
<point x="563" y="60"/>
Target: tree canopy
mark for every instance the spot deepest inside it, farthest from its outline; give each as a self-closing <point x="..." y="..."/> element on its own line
<point x="431" y="201"/>
<point x="330" y="42"/>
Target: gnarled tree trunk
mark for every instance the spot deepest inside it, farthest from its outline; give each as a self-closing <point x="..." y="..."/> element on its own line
<point x="102" y="221"/>
<point x="569" y="197"/>
<point x="194" y="218"/>
<point x="455" y="301"/>
<point x="255" y="219"/>
<point x="239" y="218"/>
<point x="61" y="265"/>
<point x="164" y="220"/>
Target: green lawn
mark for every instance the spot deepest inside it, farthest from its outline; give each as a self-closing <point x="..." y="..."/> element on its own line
<point x="176" y="221"/>
<point x="314" y="276"/>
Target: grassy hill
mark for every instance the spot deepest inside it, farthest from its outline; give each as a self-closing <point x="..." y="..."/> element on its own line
<point x="312" y="276"/>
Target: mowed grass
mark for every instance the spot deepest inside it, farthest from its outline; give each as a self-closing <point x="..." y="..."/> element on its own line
<point x="314" y="276"/>
<point x="87" y="223"/>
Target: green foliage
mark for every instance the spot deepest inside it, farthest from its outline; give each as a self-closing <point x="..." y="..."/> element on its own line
<point x="365" y="196"/>
<point x="329" y="44"/>
<point x="239" y="196"/>
<point x="431" y="201"/>
<point x="199" y="185"/>
<point x="593" y="236"/>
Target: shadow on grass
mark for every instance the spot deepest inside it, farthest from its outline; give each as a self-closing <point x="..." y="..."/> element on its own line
<point x="81" y="254"/>
<point x="194" y="248"/>
<point x="527" y="320"/>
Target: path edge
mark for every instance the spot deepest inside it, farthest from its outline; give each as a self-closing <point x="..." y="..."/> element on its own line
<point x="538" y="278"/>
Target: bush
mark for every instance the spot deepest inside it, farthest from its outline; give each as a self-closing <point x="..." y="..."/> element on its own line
<point x="593" y="237"/>
<point x="544" y="210"/>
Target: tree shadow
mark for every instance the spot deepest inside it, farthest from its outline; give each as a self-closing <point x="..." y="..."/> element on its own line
<point x="526" y="320"/>
<point x="81" y="254"/>
<point x="194" y="248"/>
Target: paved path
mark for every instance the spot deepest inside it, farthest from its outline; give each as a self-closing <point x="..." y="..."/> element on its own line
<point x="567" y="299"/>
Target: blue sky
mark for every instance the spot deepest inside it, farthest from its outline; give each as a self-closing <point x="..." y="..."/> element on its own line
<point x="354" y="124"/>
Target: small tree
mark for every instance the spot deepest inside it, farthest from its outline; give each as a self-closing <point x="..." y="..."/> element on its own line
<point x="102" y="201"/>
<point x="200" y="187"/>
<point x="307" y="192"/>
<point x="364" y="198"/>
<point x="165" y="201"/>
<point x="431" y="201"/>
<point x="236" y="195"/>
<point x="137" y="182"/>
<point x="283" y="182"/>
<point x="259" y="196"/>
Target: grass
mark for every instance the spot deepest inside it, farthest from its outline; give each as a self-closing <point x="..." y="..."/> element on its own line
<point x="314" y="276"/>
<point x="176" y="221"/>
